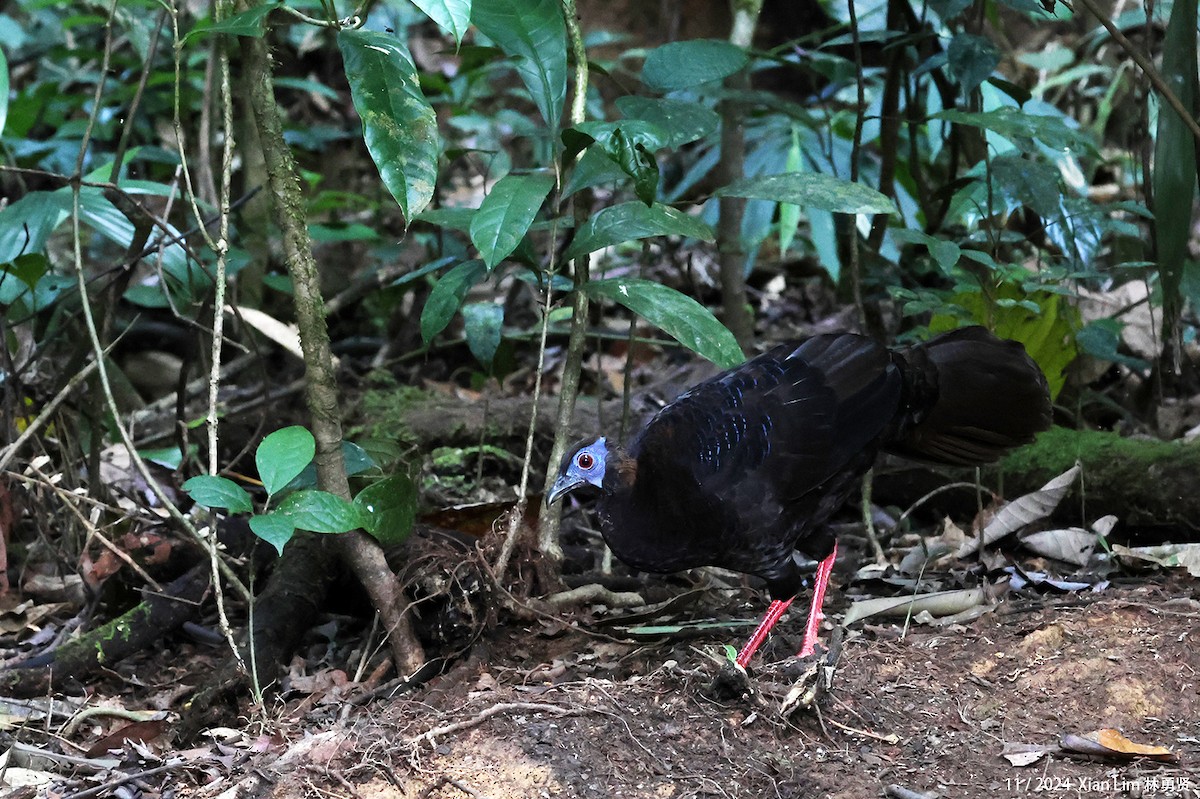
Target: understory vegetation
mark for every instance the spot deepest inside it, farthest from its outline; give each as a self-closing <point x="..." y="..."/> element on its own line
<point x="302" y="302"/>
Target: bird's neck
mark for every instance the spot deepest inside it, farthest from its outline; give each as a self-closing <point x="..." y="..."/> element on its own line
<point x="621" y="473"/>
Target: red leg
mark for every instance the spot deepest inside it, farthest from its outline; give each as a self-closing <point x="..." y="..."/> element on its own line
<point x="777" y="609"/>
<point x="820" y="583"/>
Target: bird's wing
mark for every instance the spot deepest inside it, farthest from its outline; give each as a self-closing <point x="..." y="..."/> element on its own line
<point x="783" y="423"/>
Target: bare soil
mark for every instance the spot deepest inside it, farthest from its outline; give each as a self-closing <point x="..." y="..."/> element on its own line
<point x="538" y="712"/>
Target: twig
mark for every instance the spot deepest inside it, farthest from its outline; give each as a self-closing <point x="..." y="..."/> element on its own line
<point x="43" y="418"/>
<point x="106" y="788"/>
<point x="898" y="792"/>
<point x="494" y="710"/>
<point x="594" y="592"/>
<point x="1139" y="58"/>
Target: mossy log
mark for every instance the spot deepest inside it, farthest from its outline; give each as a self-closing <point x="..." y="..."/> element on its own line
<point x="1143" y="482"/>
<point x="132" y="631"/>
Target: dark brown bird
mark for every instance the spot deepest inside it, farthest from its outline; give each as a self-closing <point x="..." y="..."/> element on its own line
<point x="744" y="470"/>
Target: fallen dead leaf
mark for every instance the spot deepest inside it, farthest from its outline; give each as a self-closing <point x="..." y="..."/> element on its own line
<point x="1111" y="743"/>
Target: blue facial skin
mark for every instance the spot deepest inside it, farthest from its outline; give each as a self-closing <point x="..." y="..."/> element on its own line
<point x="586" y="467"/>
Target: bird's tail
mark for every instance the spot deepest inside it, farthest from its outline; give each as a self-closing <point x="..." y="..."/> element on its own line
<point x="970" y="397"/>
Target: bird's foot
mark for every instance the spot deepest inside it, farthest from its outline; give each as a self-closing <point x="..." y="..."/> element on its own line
<point x="815" y="678"/>
<point x="730" y="682"/>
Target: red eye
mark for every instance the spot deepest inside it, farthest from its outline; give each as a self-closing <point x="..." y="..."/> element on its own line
<point x="585" y="460"/>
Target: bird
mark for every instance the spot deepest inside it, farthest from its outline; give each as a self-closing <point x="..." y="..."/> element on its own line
<point x="745" y="469"/>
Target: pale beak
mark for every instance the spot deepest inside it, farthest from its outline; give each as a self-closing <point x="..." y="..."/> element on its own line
<point x="565" y="484"/>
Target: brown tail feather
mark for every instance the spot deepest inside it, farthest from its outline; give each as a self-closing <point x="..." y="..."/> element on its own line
<point x="971" y="397"/>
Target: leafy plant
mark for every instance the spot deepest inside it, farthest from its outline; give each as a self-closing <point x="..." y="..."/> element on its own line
<point x="385" y="508"/>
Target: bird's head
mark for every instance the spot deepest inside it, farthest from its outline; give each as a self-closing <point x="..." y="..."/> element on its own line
<point x="583" y="465"/>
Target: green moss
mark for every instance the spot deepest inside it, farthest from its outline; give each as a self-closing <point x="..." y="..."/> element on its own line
<point x="385" y="412"/>
<point x="1141" y="481"/>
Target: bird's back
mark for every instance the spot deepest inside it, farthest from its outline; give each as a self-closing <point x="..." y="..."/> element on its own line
<point x="741" y="469"/>
<point x="744" y="469"/>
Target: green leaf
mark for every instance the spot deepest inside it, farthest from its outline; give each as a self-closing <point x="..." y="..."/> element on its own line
<point x="399" y="125"/>
<point x="453" y="16"/>
<point x="637" y="161"/>
<point x="275" y="528"/>
<point x="789" y="213"/>
<point x="949" y="9"/>
<point x="630" y="221"/>
<point x="26" y="225"/>
<point x="683" y="65"/>
<point x="506" y="213"/>
<point x="282" y="455"/>
<point x="678" y="315"/>
<point x="638" y="131"/>
<point x="321" y="512"/>
<point x="389" y="508"/>
<point x="3" y="91"/>
<point x="447" y="295"/>
<point x="681" y="121"/>
<point x="1033" y="184"/>
<point x="533" y="33"/>
<point x="972" y="59"/>
<point x="1175" y="160"/>
<point x="247" y="23"/>
<point x="1101" y="339"/>
<point x="812" y="190"/>
<point x="213" y="491"/>
<point x="170" y="457"/>
<point x="1019" y="127"/>
<point x="355" y="459"/>
<point x="482" y="323"/>
<point x="593" y="168"/>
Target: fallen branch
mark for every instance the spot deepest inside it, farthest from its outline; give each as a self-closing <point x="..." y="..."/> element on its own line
<point x="494" y="710"/>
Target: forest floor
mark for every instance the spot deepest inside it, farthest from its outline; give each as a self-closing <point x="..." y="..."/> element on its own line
<point x="549" y="710"/>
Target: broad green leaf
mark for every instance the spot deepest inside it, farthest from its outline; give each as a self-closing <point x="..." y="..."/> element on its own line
<point x="389" y="508"/>
<point x="247" y="23"/>
<point x="1102" y="338"/>
<point x="1175" y="160"/>
<point x="533" y="33"/>
<point x="26" y="225"/>
<point x="635" y="160"/>
<point x="170" y="457"/>
<point x="648" y="134"/>
<point x="949" y="9"/>
<point x="3" y="91"/>
<point x="506" y="213"/>
<point x="789" y="213"/>
<point x="593" y="168"/>
<point x="213" y="491"/>
<point x="683" y="65"/>
<point x="275" y="528"/>
<point x="680" y="120"/>
<point x="399" y="125"/>
<point x="1033" y="184"/>
<point x="483" y="323"/>
<point x="355" y="459"/>
<point x="321" y="512"/>
<point x="812" y="190"/>
<point x="630" y="221"/>
<point x="453" y="16"/>
<point x="945" y="253"/>
<point x="20" y="278"/>
<point x="449" y="218"/>
<point x="282" y="455"/>
<point x="676" y="314"/>
<point x="972" y="59"/>
<point x="447" y="295"/>
<point x="1019" y="127"/>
